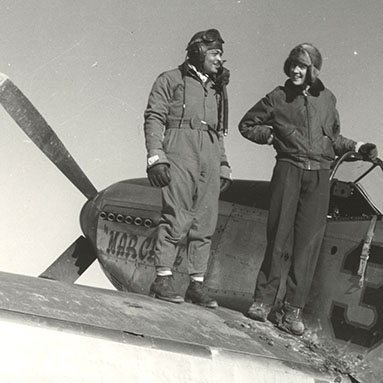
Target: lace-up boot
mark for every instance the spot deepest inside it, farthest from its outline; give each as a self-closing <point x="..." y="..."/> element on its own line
<point x="162" y="288"/>
<point x="259" y="311"/>
<point x="196" y="293"/>
<point x="292" y="321"/>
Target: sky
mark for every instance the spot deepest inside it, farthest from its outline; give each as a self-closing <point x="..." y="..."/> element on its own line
<point x="88" y="67"/>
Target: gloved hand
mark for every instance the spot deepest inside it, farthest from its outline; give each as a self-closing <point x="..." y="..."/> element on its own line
<point x="369" y="151"/>
<point x="264" y="135"/>
<point x="159" y="175"/>
<point x="225" y="183"/>
<point x="223" y="77"/>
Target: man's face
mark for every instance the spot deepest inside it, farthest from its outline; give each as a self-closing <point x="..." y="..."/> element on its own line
<point x="298" y="73"/>
<point x="213" y="61"/>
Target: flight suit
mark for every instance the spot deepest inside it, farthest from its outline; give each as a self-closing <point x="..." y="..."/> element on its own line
<point x="183" y="129"/>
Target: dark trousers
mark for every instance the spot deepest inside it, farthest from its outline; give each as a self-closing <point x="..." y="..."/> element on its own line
<point x="295" y="230"/>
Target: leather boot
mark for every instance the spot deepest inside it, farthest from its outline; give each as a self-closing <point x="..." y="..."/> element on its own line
<point x="292" y="321"/>
<point x="196" y="293"/>
<point x="162" y="288"/>
<point x="259" y="311"/>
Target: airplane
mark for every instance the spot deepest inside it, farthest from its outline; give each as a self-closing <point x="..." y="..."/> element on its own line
<point x="344" y="315"/>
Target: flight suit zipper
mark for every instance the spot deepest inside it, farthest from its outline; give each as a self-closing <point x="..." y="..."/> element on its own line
<point x="205" y="92"/>
<point x="308" y="127"/>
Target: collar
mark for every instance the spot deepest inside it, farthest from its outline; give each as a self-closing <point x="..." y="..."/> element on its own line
<point x="313" y="90"/>
<point x="203" y="77"/>
<point x="186" y="68"/>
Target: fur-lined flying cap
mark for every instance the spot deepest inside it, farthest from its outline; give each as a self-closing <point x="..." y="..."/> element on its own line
<point x="308" y="55"/>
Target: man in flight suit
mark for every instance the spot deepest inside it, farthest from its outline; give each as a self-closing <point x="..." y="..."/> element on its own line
<point x="184" y="128"/>
<point x="301" y="121"/>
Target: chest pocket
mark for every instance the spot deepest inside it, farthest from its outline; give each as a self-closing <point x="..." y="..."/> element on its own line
<point x="176" y="102"/>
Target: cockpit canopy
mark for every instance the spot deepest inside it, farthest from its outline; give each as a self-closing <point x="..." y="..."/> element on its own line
<point x="356" y="188"/>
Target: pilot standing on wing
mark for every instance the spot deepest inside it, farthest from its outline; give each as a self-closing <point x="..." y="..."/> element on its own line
<point x="301" y="121"/>
<point x="184" y="128"/>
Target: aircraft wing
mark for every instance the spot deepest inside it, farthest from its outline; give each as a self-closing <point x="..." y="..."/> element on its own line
<point x="52" y="331"/>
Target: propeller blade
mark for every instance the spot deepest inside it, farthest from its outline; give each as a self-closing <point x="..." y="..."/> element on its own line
<point x="70" y="265"/>
<point x="34" y="125"/>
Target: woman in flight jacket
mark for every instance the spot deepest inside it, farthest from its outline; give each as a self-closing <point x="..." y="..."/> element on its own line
<point x="301" y="121"/>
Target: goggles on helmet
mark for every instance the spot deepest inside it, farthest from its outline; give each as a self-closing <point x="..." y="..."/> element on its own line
<point x="207" y="37"/>
<point x="211" y="35"/>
